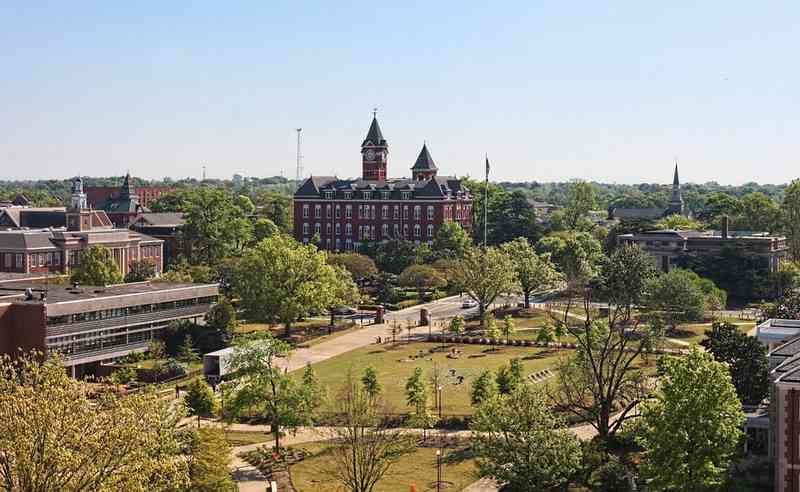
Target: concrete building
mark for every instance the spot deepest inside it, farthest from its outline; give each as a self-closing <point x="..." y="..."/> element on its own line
<point x="91" y="325"/>
<point x="346" y="213"/>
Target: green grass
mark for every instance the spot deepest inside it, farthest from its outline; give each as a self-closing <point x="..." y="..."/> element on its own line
<point x="695" y="333"/>
<point x="417" y="467"/>
<point x="242" y="438"/>
<point x="395" y="365"/>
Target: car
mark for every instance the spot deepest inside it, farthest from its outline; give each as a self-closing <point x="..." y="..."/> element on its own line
<point x="469" y="304"/>
<point x="343" y="310"/>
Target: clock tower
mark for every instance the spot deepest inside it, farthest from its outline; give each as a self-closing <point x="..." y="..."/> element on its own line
<point x="374" y="153"/>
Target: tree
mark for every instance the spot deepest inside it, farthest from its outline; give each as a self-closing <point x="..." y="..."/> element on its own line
<point x="395" y="255"/>
<point x="209" y="459"/>
<point x="510" y="377"/>
<point x="680" y="222"/>
<point x="534" y="272"/>
<point x="264" y="228"/>
<point x="759" y="213"/>
<point x="422" y="278"/>
<point x="276" y="207"/>
<point x="718" y="205"/>
<point x="786" y="306"/>
<point x="157" y="349"/>
<point x="624" y="277"/>
<point x="791" y="217"/>
<point x="581" y="199"/>
<point x="746" y="358"/>
<point x="491" y="327"/>
<point x="483" y="388"/>
<point x="186" y="352"/>
<point x="200" y="398"/>
<point x="457" y="325"/>
<point x="96" y="266"/>
<point x="360" y="266"/>
<point x="484" y="274"/>
<point x="315" y="392"/>
<point x="698" y="402"/>
<point x="365" y="446"/>
<point x="175" y="201"/>
<point x="54" y="438"/>
<point x="521" y="443"/>
<point x="280" y="280"/>
<point x="265" y="388"/>
<point x="370" y="382"/>
<point x="546" y="334"/>
<point x="510" y="214"/>
<point x="141" y="270"/>
<point x="416" y="389"/>
<point x="221" y="318"/>
<point x="216" y="225"/>
<point x="508" y="326"/>
<point x="451" y="240"/>
<point x="676" y="297"/>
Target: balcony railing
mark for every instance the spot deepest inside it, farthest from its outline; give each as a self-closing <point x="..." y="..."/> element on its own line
<point x="131" y="320"/>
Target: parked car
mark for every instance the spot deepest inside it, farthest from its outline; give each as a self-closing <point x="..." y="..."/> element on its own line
<point x="469" y="304"/>
<point x="343" y="311"/>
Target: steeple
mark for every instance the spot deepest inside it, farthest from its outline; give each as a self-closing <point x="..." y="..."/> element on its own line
<point x="77" y="199"/>
<point x="424" y="168"/>
<point x="78" y="215"/>
<point x="676" y="204"/>
<point x="374" y="153"/>
<point x="127" y="189"/>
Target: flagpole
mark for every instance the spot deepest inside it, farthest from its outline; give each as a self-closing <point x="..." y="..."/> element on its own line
<point x="486" y="204"/>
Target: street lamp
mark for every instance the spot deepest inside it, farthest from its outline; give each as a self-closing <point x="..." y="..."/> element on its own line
<point x="440" y="401"/>
<point x="438" y="470"/>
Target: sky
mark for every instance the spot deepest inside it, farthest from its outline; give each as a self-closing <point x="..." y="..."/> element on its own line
<point x="551" y="91"/>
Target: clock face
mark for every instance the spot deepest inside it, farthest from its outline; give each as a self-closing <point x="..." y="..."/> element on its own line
<point x="370" y="155"/>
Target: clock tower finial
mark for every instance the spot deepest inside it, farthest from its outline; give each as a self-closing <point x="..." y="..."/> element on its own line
<point x="374" y="152"/>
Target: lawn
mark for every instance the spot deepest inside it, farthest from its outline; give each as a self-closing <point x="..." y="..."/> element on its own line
<point x="695" y="333"/>
<point x="396" y="363"/>
<point x="418" y="468"/>
<point x="243" y="438"/>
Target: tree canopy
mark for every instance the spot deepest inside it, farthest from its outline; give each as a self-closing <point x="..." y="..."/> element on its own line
<point x="96" y="266"/>
<point x="746" y="357"/>
<point x="484" y="274"/>
<point x="216" y="224"/>
<point x="534" y="272"/>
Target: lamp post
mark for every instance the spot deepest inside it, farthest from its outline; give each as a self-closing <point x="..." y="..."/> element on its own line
<point x="440" y="401"/>
<point x="438" y="470"/>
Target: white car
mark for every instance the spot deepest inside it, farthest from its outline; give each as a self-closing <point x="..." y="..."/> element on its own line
<point x="469" y="304"/>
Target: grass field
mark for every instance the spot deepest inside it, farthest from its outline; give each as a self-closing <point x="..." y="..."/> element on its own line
<point x="395" y="364"/>
<point x="240" y="438"/>
<point x="418" y="468"/>
<point x="695" y="333"/>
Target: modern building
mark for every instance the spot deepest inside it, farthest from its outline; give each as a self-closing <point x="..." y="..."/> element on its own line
<point x="675" y="206"/>
<point x="668" y="246"/>
<point x="91" y="325"/>
<point x="346" y="213"/>
<point x="55" y="249"/>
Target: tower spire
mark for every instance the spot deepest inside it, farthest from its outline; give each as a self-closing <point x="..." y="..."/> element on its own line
<point x="676" y="204"/>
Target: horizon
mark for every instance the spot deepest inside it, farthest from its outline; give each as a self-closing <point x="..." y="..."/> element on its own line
<point x="602" y="93"/>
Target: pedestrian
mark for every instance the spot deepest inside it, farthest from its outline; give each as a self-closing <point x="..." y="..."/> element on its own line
<point x="177" y="391"/>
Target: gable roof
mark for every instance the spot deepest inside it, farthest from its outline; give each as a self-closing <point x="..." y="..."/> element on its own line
<point x="424" y="161"/>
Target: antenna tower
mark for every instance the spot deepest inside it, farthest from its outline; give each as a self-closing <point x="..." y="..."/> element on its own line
<point x="299" y="172"/>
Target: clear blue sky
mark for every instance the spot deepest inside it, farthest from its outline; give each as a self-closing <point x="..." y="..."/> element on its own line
<point x="609" y="91"/>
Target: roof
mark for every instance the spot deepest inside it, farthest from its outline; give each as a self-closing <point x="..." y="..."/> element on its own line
<point x="436" y="186"/>
<point x="162" y="219"/>
<point x="20" y="216"/>
<point x="777" y="330"/>
<point x="121" y="205"/>
<point x="221" y="352"/>
<point x="374" y="135"/>
<point x="18" y="240"/>
<point x="424" y="161"/>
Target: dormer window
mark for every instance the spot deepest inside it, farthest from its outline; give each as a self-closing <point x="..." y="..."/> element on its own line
<point x="406" y="195"/>
<point x="329" y="195"/>
<point x="367" y="195"/>
<point x="385" y="195"/>
<point x="348" y="195"/>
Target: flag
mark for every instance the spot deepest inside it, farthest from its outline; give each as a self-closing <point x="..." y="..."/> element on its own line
<point x="487" y="167"/>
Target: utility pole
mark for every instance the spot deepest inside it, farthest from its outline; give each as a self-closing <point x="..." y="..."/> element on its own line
<point x="299" y="172"/>
<point x="204" y="172"/>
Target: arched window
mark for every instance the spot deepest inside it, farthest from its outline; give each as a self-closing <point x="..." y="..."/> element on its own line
<point x="385" y="231"/>
<point x="416" y="230"/>
<point x="305" y="228"/>
<point x="430" y="212"/>
<point x="317" y="228"/>
<point x="430" y="230"/>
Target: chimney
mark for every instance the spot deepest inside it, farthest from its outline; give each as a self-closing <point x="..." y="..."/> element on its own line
<point x="725" y="227"/>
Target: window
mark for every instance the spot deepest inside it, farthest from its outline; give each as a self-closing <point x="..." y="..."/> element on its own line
<point x="338" y="212"/>
<point x="385" y="231"/>
<point x="348" y="212"/>
<point x="385" y="212"/>
<point x="405" y="212"/>
<point x="405" y="230"/>
<point x="328" y="230"/>
<point x="458" y="213"/>
<point x="417" y="212"/>
<point x="397" y="211"/>
<point x="406" y="195"/>
<point x="8" y="260"/>
<point x="373" y="212"/>
<point x="338" y="244"/>
<point x="317" y="211"/>
<point x="416" y="230"/>
<point x="338" y="230"/>
<point x="348" y="229"/>
<point x="329" y="195"/>
<point x="19" y="260"/>
<point x="348" y="195"/>
<point x="305" y="211"/>
<point x="57" y="258"/>
<point x="328" y="212"/>
<point x="305" y="228"/>
<point x="372" y="233"/>
<point x="385" y="195"/>
<point x="367" y="195"/>
<point x="317" y="228"/>
<point x="430" y="230"/>
<point x="430" y="212"/>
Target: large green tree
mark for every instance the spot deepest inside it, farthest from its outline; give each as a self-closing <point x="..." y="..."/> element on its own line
<point x="265" y="388"/>
<point x="216" y="224"/>
<point x="692" y="430"/>
<point x="746" y="357"/>
<point x="759" y="213"/>
<point x="96" y="266"/>
<point x="451" y="240"/>
<point x="581" y="199"/>
<point x="484" y="274"/>
<point x="624" y="276"/>
<point x="422" y="277"/>
<point x="280" y="280"/>
<point x="54" y="438"/>
<point x="675" y="297"/>
<point x="534" y="272"/>
<point x="209" y="460"/>
<point x="360" y="266"/>
<point x="521" y="443"/>
<point x="791" y="217"/>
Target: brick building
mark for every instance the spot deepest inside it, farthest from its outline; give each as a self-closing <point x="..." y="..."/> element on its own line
<point x="146" y="195"/>
<point x="347" y="213"/>
<point x="53" y="248"/>
<point x="124" y="206"/>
